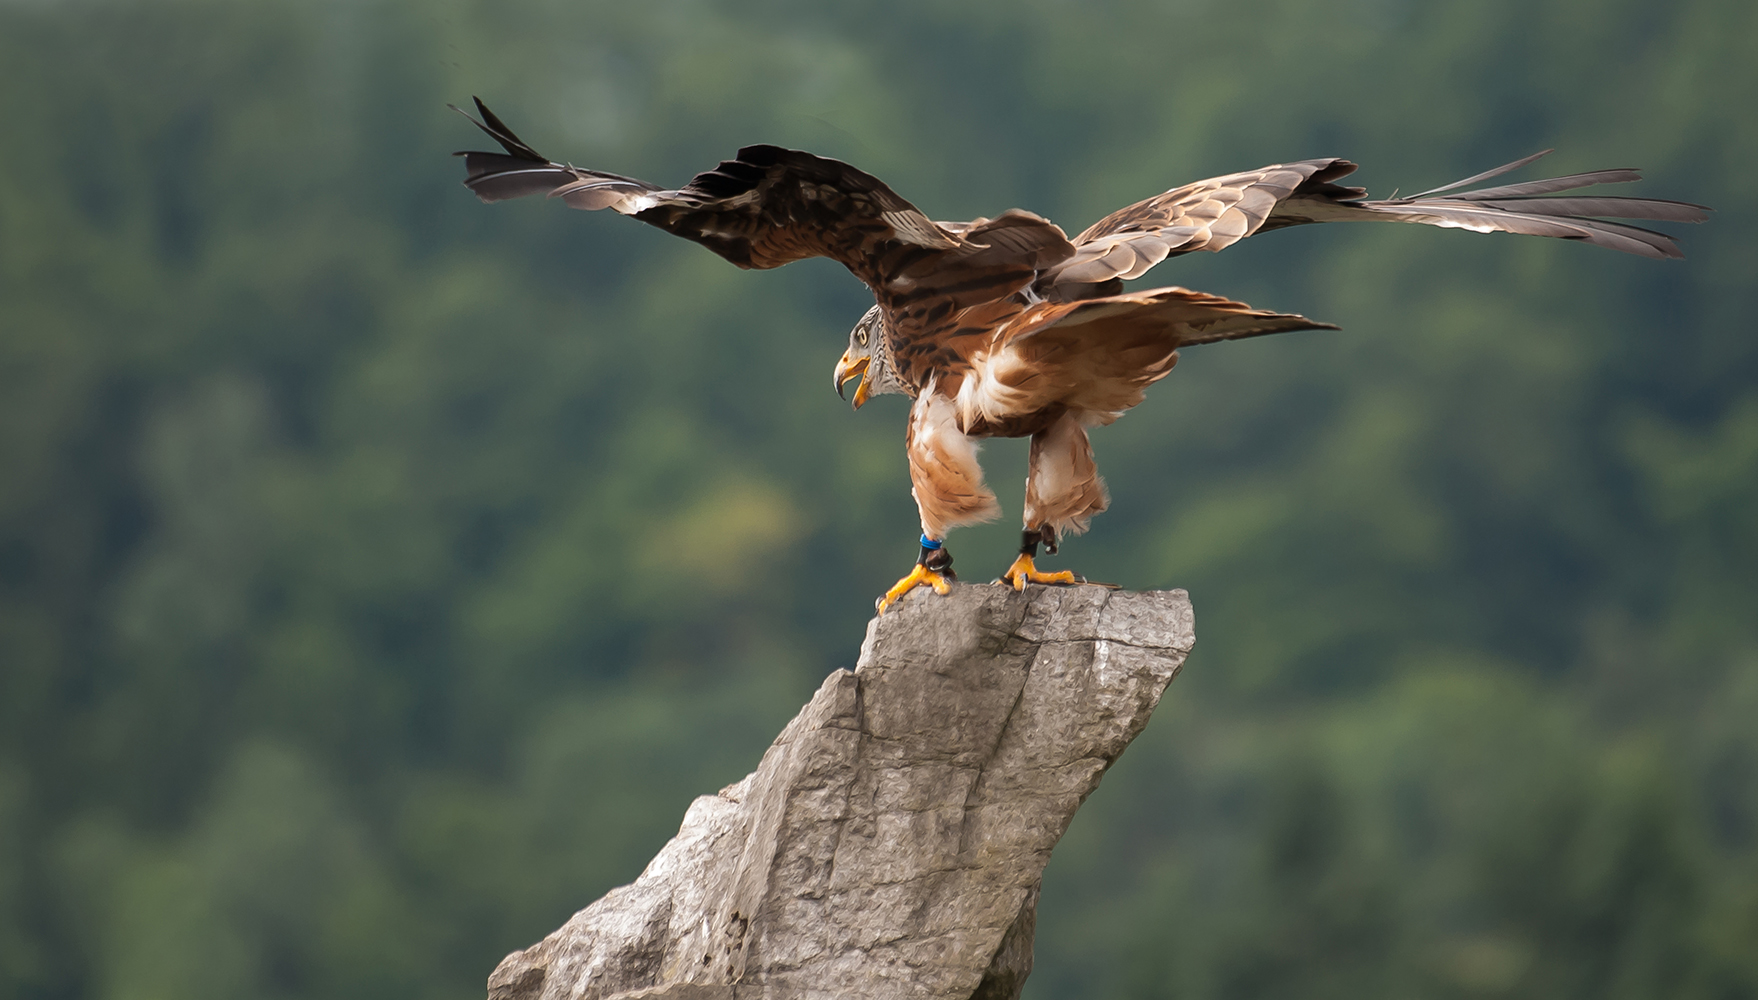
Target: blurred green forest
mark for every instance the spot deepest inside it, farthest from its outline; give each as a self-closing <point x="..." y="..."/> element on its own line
<point x="381" y="573"/>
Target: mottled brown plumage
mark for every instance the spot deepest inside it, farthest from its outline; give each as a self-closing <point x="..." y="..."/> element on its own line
<point x="1005" y="327"/>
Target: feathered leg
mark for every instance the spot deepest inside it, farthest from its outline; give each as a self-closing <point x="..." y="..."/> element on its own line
<point x="948" y="486"/>
<point x="1063" y="492"/>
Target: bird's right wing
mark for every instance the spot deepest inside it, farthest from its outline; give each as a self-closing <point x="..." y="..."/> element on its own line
<point x="769" y="206"/>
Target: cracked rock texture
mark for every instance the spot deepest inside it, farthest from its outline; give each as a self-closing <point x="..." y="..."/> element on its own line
<point x="891" y="841"/>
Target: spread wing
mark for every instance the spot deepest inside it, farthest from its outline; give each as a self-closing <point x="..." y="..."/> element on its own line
<point x="1216" y="213"/>
<point x="769" y="206"/>
<point x="1099" y="355"/>
<point x="1208" y="215"/>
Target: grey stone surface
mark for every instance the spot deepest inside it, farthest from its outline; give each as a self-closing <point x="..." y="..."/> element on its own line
<point x="891" y="841"/>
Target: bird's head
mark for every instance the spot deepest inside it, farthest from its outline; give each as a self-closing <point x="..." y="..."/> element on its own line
<point x="866" y="357"/>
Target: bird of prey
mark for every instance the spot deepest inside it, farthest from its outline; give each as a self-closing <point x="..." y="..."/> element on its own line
<point x="1006" y="327"/>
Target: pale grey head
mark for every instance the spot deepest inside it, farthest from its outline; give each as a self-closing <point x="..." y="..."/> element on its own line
<point x="868" y="356"/>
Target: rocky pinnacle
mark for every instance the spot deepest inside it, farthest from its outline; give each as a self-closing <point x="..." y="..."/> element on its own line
<point x="892" y="840"/>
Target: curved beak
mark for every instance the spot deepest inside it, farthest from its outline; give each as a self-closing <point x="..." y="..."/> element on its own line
<point x="847" y="370"/>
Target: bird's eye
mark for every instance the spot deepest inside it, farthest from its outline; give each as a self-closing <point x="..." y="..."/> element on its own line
<point x="861" y="337"/>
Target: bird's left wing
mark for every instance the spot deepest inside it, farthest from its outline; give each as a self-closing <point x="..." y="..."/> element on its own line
<point x="1211" y="214"/>
<point x="766" y="207"/>
<point x="1216" y="213"/>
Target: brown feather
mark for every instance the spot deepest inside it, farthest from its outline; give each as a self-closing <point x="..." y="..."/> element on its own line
<point x="1063" y="488"/>
<point x="1097" y="356"/>
<point x="945" y="478"/>
<point x="1209" y="215"/>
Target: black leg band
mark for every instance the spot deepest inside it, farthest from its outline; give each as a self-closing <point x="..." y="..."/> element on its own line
<point x="939" y="560"/>
<point x="1032" y="536"/>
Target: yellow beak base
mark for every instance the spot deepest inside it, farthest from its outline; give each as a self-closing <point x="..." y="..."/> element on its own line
<point x="847" y="370"/>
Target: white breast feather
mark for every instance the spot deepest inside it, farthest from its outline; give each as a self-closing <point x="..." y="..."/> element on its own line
<point x="985" y="395"/>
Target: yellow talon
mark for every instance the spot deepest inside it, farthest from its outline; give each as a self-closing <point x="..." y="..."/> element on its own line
<point x="918" y="576"/>
<point x="1024" y="570"/>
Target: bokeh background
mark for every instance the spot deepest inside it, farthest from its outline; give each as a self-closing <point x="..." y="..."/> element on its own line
<point x="381" y="573"/>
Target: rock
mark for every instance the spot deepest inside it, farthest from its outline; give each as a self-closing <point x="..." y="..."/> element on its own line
<point x="892" y="840"/>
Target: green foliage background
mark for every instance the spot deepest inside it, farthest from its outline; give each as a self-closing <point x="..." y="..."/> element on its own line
<point x="382" y="573"/>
